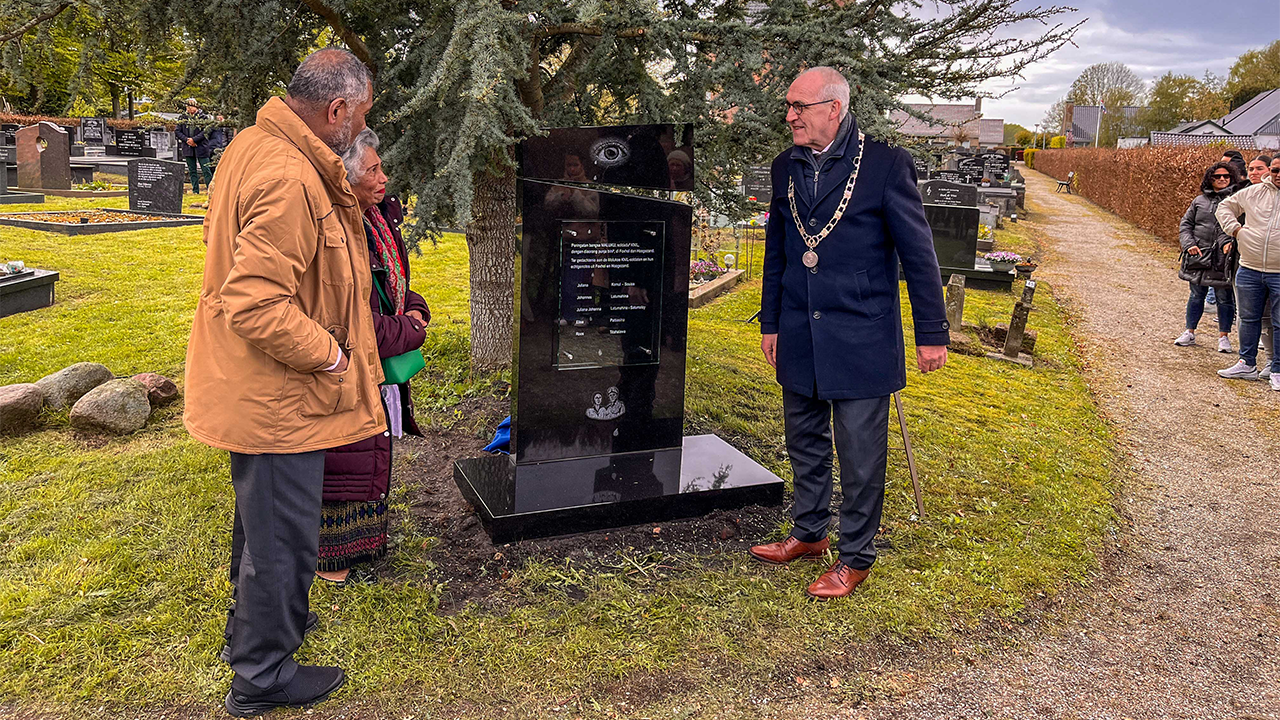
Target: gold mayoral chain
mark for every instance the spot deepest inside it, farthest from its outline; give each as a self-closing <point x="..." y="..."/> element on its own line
<point x="810" y="257"/>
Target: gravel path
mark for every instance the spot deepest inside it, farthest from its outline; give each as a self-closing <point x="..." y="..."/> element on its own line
<point x="1187" y="623"/>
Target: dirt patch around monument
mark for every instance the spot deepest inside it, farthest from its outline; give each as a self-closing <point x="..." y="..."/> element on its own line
<point x="473" y="568"/>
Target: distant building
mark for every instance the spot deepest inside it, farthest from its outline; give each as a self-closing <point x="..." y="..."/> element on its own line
<point x="959" y="125"/>
<point x="1255" y="124"/>
<point x="1084" y="123"/>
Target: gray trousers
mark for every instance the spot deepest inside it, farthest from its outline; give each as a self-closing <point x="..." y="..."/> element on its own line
<point x="274" y="546"/>
<point x="862" y="440"/>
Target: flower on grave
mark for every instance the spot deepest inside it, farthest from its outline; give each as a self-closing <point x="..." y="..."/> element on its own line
<point x="705" y="269"/>
<point x="984" y="231"/>
<point x="1003" y="256"/>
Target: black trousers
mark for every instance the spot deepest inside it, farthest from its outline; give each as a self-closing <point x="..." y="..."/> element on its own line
<point x="274" y="546"/>
<point x="862" y="440"/>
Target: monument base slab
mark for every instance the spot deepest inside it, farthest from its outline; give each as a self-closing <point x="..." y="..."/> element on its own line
<point x="519" y="502"/>
<point x="1023" y="359"/>
<point x="16" y="198"/>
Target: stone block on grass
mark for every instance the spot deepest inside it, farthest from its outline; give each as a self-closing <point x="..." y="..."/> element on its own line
<point x="63" y="388"/>
<point x="118" y="407"/>
<point x="20" y="408"/>
<point x="160" y="390"/>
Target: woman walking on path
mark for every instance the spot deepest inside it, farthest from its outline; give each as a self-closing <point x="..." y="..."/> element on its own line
<point x="1258" y="281"/>
<point x="357" y="477"/>
<point x="1205" y="264"/>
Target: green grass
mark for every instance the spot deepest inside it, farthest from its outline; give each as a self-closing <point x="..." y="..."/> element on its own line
<point x="114" y="552"/>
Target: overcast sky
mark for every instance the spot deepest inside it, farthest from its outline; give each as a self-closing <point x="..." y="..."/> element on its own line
<point x="1152" y="37"/>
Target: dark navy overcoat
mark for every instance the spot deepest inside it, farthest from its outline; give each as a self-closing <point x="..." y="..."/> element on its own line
<point x="839" y="325"/>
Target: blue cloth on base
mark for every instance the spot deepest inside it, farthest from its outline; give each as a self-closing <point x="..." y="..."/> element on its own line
<point x="501" y="438"/>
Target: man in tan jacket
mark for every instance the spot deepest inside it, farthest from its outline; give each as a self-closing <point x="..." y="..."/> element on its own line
<point x="283" y="361"/>
<point x="1258" y="279"/>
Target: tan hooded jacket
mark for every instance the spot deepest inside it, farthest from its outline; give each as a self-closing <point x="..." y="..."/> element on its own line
<point x="286" y="282"/>
<point x="1259" y="238"/>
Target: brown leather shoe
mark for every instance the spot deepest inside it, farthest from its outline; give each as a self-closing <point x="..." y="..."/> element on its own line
<point x="838" y="581"/>
<point x="780" y="553"/>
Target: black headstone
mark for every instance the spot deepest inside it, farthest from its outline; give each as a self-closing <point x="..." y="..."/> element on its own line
<point x="9" y="133"/>
<point x="658" y="157"/>
<point x="995" y="164"/>
<point x="757" y="183"/>
<point x="132" y="142"/>
<point x="922" y="166"/>
<point x="597" y="410"/>
<point x="93" y="131"/>
<point x="942" y="192"/>
<point x="971" y="169"/>
<point x="156" y="185"/>
<point x="948" y="175"/>
<point x="955" y="234"/>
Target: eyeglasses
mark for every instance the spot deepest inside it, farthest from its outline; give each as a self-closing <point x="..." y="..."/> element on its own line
<point x="1275" y="171"/>
<point x="1216" y="176"/>
<point x="799" y="107"/>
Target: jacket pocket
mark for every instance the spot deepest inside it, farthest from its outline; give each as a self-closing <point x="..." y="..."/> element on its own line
<point x="328" y="393"/>
<point x="334" y="255"/>
<point x="870" y="302"/>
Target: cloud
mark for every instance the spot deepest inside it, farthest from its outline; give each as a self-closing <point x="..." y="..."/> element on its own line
<point x="1152" y="37"/>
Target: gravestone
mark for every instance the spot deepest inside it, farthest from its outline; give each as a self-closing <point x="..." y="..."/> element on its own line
<point x="9" y="134"/>
<point x="162" y="142"/>
<point x="132" y="143"/>
<point x="1005" y="198"/>
<point x="948" y="175"/>
<point x="971" y="169"/>
<point x="10" y="196"/>
<point x="922" y="166"/>
<point x="156" y="185"/>
<point x="1015" y="335"/>
<point x="44" y="157"/>
<point x="995" y="164"/>
<point x="757" y="184"/>
<point x="30" y="289"/>
<point x="93" y="131"/>
<point x="952" y="212"/>
<point x="598" y="372"/>
<point x="955" y="301"/>
<point x="942" y="192"/>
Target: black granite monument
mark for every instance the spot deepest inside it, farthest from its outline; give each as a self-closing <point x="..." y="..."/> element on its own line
<point x="601" y="315"/>
<point x="952" y="211"/>
<point x="156" y="185"/>
<point x="131" y="143"/>
<point x="30" y="289"/>
<point x="93" y="131"/>
<point x="10" y="197"/>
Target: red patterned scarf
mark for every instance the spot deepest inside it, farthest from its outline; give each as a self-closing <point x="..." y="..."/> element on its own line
<point x="389" y="254"/>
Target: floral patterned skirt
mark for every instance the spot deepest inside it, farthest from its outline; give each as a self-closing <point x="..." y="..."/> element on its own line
<point x="351" y="533"/>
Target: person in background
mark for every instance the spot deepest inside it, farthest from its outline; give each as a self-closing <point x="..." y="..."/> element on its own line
<point x="1204" y="264"/>
<point x="1259" y="168"/>
<point x="1258" y="280"/>
<point x="193" y="139"/>
<point x="357" y="476"/>
<point x="1242" y="170"/>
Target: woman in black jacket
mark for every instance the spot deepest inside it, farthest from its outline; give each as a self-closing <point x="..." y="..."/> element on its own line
<point x="1205" y="263"/>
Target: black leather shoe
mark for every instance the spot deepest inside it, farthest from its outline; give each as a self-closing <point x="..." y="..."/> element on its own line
<point x="313" y="621"/>
<point x="310" y="685"/>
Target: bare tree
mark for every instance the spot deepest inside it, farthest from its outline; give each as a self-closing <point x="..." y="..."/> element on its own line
<point x="1113" y="84"/>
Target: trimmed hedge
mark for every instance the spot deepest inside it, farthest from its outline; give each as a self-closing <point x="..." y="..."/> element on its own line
<point x="1150" y="187"/>
<point x="1029" y="157"/>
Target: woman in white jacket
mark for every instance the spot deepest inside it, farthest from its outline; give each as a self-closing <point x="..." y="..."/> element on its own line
<point x="1258" y="241"/>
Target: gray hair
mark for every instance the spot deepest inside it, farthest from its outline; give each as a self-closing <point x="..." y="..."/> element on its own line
<point x="834" y="86"/>
<point x="329" y="74"/>
<point x="367" y="139"/>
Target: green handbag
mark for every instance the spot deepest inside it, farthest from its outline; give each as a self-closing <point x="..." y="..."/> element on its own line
<point x="401" y="368"/>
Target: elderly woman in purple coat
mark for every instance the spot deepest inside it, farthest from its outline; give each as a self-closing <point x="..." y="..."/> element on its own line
<point x="357" y="477"/>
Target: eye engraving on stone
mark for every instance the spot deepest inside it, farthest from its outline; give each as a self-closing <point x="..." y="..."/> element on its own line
<point x="610" y="152"/>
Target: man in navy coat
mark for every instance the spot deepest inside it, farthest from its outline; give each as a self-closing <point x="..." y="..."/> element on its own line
<point x="844" y="211"/>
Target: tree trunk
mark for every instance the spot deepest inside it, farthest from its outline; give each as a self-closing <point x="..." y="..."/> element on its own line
<point x="491" y="240"/>
<point x="115" y="101"/>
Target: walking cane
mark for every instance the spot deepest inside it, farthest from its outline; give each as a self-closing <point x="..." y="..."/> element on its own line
<point x="911" y="458"/>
